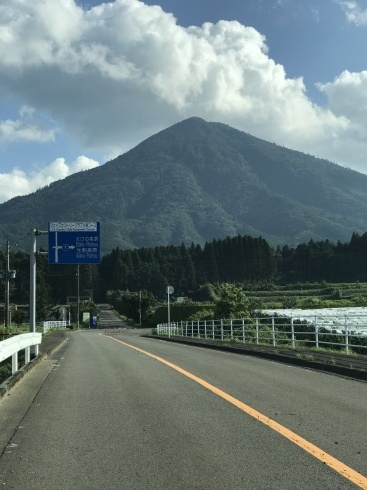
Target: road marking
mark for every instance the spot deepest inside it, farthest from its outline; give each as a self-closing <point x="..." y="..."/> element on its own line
<point x="307" y="446"/>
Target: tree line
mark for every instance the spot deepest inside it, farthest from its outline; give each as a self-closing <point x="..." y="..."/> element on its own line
<point x="239" y="259"/>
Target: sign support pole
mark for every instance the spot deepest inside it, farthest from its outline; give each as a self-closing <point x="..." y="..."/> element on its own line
<point x="32" y="282"/>
<point x="169" y="290"/>
<point x="32" y="293"/>
<point x="78" y="296"/>
<point x="169" y="317"/>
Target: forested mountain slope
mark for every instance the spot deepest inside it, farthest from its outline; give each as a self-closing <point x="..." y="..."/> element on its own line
<point x="197" y="181"/>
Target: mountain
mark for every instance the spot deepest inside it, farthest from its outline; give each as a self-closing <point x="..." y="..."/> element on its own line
<point x="197" y="181"/>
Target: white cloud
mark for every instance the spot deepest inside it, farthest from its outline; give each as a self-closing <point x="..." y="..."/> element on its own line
<point x="12" y="131"/>
<point x="354" y="12"/>
<point x="114" y="74"/>
<point x="347" y="96"/>
<point x="24" y="129"/>
<point x="19" y="183"/>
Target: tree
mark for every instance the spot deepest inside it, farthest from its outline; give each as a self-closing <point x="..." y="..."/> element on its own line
<point x="130" y="304"/>
<point x="232" y="302"/>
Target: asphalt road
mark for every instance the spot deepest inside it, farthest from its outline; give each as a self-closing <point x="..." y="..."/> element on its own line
<point x="108" y="318"/>
<point x="99" y="414"/>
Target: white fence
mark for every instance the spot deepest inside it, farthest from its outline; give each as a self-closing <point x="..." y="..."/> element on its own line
<point x="275" y="330"/>
<point x="53" y="324"/>
<point x="11" y="347"/>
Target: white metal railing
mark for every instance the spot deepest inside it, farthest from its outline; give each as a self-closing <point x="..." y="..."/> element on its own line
<point x="345" y="332"/>
<point x="11" y="347"/>
<point x="53" y="324"/>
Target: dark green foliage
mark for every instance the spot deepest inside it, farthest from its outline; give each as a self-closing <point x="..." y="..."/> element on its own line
<point x="6" y="366"/>
<point x="84" y="306"/>
<point x="134" y="305"/>
<point x="197" y="272"/>
<point x="231" y="303"/>
<point x="207" y="292"/>
<point x="19" y="316"/>
<point x="196" y="182"/>
<point x="179" y="312"/>
<point x="205" y="314"/>
<point x="237" y="259"/>
<point x="5" y="370"/>
<point x="315" y="274"/>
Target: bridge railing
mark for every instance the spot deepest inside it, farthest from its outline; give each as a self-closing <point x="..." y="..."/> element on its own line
<point x="11" y="348"/>
<point x="344" y="332"/>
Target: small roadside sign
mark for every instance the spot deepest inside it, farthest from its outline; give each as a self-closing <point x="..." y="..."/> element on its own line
<point x="74" y="243"/>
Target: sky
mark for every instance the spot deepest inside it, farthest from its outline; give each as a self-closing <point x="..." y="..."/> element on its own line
<point x="82" y="81"/>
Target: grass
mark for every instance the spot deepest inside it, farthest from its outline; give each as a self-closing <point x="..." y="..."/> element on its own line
<point x="17" y="329"/>
<point x="305" y="356"/>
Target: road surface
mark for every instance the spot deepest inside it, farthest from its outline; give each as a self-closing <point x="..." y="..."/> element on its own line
<point x="125" y="412"/>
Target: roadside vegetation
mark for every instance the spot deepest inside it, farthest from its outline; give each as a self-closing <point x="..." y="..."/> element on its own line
<point x="257" y="297"/>
<point x="232" y="302"/>
<point x="226" y="278"/>
<point x="252" y="273"/>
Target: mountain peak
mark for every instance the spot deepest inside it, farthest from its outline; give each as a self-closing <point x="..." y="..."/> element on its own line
<point x="196" y="181"/>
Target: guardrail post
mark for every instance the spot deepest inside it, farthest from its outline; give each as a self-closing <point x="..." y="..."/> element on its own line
<point x="27" y="355"/>
<point x="221" y="330"/>
<point x="273" y="330"/>
<point x="213" y="327"/>
<point x="243" y="330"/>
<point x="257" y="330"/>
<point x="316" y="333"/>
<point x="346" y="334"/>
<point x="14" y="363"/>
<point x="293" y="337"/>
<point x="231" y="329"/>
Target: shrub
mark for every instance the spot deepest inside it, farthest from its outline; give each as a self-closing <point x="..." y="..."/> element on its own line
<point x="5" y="371"/>
<point x="202" y="315"/>
<point x="289" y="302"/>
<point x="232" y="302"/>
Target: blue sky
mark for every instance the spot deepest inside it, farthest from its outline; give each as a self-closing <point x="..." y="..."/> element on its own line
<point x="82" y="82"/>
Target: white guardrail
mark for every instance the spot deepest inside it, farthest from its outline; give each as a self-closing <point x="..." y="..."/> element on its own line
<point x="54" y="324"/>
<point x="11" y="347"/>
<point x="346" y="331"/>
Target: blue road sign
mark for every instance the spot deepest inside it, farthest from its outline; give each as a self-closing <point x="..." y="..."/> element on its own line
<point x="74" y="243"/>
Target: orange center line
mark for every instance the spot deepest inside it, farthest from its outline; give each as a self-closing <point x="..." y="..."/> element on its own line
<point x="307" y="446"/>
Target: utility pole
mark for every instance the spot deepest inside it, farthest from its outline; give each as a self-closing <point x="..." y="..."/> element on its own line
<point x="7" y="275"/>
<point x="32" y="282"/>
<point x="7" y="287"/>
<point x="140" y="308"/>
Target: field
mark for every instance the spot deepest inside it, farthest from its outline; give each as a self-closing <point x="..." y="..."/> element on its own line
<point x="308" y="295"/>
